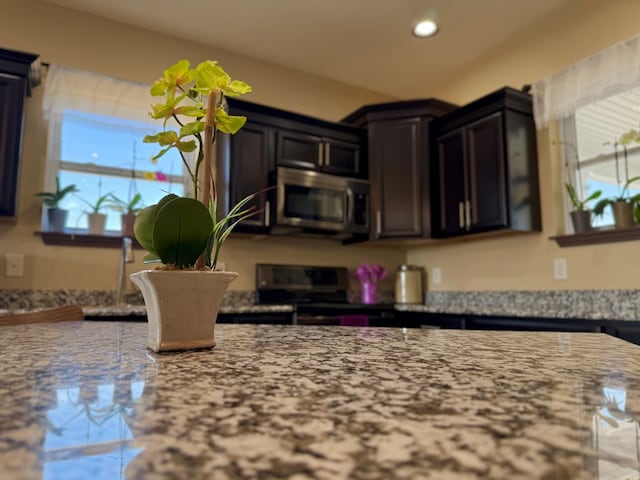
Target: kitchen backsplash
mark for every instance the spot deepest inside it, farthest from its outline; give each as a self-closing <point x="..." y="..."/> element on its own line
<point x="585" y="304"/>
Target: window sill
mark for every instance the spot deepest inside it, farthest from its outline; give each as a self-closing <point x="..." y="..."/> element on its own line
<point x="608" y="235"/>
<point x="83" y="240"/>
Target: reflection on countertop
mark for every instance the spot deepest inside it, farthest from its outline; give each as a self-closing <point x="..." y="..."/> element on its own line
<point x="89" y="401"/>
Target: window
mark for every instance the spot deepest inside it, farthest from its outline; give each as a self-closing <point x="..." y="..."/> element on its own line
<point x="594" y="159"/>
<point x="96" y="127"/>
<point x="596" y="100"/>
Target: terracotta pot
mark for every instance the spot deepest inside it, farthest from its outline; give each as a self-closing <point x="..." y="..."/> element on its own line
<point x="128" y="220"/>
<point x="581" y="220"/>
<point x="623" y="214"/>
<point x="96" y="223"/>
<point x="57" y="218"/>
<point x="182" y="306"/>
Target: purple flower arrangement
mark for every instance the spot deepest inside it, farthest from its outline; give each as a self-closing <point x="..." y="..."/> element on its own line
<point x="369" y="275"/>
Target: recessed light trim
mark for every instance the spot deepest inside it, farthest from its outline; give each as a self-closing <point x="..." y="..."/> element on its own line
<point x="426" y="28"/>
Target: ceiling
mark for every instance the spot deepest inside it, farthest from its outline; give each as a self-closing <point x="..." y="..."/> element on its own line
<point x="365" y="43"/>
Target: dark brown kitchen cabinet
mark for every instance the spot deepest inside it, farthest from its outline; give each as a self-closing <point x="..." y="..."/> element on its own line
<point x="485" y="173"/>
<point x="399" y="157"/>
<point x="245" y="161"/>
<point x="397" y="203"/>
<point x="19" y="73"/>
<point x="251" y="163"/>
<point x="298" y="149"/>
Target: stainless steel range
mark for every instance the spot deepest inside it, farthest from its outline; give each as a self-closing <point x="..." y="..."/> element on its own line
<point x="320" y="295"/>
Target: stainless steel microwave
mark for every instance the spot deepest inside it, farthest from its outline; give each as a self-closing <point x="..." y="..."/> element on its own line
<point x="317" y="201"/>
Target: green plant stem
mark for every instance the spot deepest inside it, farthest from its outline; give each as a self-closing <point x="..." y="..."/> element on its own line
<point x="197" y="167"/>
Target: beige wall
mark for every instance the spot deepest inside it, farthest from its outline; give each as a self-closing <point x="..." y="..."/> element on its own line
<point x="82" y="41"/>
<point x="510" y="262"/>
<point x="526" y="261"/>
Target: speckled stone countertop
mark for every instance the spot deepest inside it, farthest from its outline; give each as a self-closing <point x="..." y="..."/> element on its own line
<point x="87" y="400"/>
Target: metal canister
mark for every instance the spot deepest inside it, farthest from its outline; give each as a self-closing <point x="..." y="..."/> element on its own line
<point x="409" y="284"/>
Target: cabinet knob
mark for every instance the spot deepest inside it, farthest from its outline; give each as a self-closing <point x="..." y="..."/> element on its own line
<point x="320" y="154"/>
<point x="327" y="154"/>
<point x="461" y="214"/>
<point x="378" y="223"/>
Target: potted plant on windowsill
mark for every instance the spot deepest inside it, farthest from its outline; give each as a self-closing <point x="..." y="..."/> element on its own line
<point x="56" y="216"/>
<point x="185" y="233"/>
<point x="128" y="212"/>
<point x="580" y="215"/>
<point x="96" y="219"/>
<point x="622" y="206"/>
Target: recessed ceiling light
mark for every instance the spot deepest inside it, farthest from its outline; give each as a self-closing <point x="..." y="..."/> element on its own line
<point x="425" y="29"/>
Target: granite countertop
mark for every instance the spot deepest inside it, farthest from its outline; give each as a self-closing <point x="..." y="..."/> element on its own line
<point x="88" y="400"/>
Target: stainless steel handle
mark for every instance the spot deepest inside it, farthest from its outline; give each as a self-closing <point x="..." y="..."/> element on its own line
<point x="467" y="208"/>
<point x="327" y="155"/>
<point x="378" y="223"/>
<point x="461" y="214"/>
<point x="350" y="207"/>
<point x="267" y="213"/>
<point x="320" y="153"/>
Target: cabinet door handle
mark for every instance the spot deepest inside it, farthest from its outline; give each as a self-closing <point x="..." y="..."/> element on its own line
<point x="467" y="208"/>
<point x="327" y="155"/>
<point x="267" y="213"/>
<point x="320" y="154"/>
<point x="461" y="214"/>
<point x="378" y="223"/>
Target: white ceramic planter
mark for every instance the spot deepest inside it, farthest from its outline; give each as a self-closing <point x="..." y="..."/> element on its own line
<point x="96" y="223"/>
<point x="182" y="306"/>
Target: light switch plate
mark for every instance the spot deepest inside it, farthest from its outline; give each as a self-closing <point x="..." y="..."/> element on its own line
<point x="436" y="275"/>
<point x="560" y="268"/>
<point x="14" y="265"/>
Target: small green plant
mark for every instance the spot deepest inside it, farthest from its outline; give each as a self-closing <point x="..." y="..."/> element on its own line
<point x="99" y="204"/>
<point x="575" y="199"/>
<point x="179" y="231"/>
<point x="132" y="207"/>
<point x="623" y="197"/>
<point x="53" y="199"/>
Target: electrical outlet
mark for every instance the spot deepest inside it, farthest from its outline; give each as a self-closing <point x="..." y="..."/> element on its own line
<point x="14" y="265"/>
<point x="560" y="268"/>
<point x="436" y="275"/>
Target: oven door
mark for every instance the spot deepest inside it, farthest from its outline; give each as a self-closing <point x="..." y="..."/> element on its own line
<point x="312" y="200"/>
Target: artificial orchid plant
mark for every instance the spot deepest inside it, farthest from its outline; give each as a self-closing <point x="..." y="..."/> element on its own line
<point x="185" y="232"/>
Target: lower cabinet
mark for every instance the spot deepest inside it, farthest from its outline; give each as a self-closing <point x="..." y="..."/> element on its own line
<point x="534" y="325"/>
<point x="284" y="318"/>
<point x="625" y="330"/>
<point x="629" y="331"/>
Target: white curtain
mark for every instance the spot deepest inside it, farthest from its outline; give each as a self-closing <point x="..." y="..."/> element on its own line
<point x="69" y="89"/>
<point x="606" y="73"/>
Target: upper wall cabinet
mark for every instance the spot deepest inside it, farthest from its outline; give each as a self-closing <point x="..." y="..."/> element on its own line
<point x="485" y="174"/>
<point x="19" y="73"/>
<point x="330" y="148"/>
<point x="399" y="165"/>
